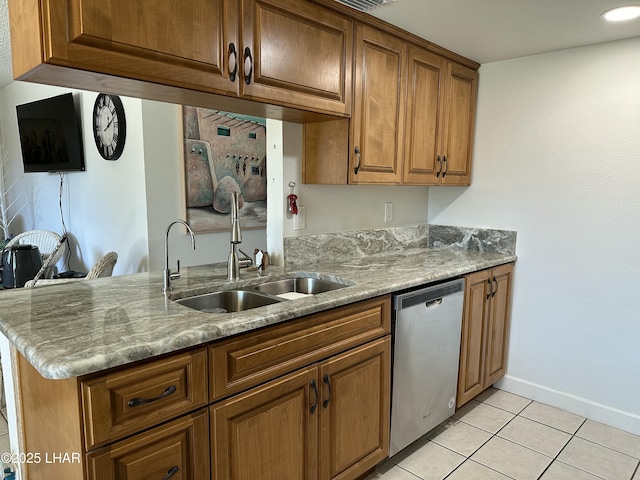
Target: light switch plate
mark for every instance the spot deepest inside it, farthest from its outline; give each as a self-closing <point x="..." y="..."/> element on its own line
<point x="388" y="211"/>
<point x="300" y="220"/>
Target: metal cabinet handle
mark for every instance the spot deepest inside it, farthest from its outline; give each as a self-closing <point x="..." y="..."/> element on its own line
<point x="326" y="380"/>
<point x="439" y="167"/>
<point x="446" y="166"/>
<point x="171" y="472"/>
<point x="493" y="293"/>
<point x="248" y="65"/>
<point x="490" y="285"/>
<point x="357" y="167"/>
<point x="134" y="402"/>
<point x="315" y="402"/>
<point x="233" y="62"/>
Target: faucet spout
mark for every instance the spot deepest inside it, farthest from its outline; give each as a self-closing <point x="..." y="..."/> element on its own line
<point x="233" y="266"/>
<point x="167" y="276"/>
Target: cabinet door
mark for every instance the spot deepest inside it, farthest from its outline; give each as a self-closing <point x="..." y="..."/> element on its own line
<point x="269" y="432"/>
<point x="377" y="122"/>
<point x="297" y="54"/>
<point x="178" y="449"/>
<point x="174" y="43"/>
<point x="498" y="324"/>
<point x="422" y="159"/>
<point x="471" y="373"/>
<point x="462" y="84"/>
<point x="355" y="406"/>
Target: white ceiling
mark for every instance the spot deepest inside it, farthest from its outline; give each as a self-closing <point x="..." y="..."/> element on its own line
<point x="492" y="30"/>
<point x="482" y="30"/>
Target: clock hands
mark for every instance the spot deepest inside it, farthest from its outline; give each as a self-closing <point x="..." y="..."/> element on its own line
<point x="110" y="122"/>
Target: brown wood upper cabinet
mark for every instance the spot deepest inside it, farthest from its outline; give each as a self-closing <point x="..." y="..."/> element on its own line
<point x="440" y="120"/>
<point x="379" y="107"/>
<point x="282" y="52"/>
<point x="412" y="123"/>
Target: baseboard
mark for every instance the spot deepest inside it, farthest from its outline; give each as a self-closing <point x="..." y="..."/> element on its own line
<point x="626" y="421"/>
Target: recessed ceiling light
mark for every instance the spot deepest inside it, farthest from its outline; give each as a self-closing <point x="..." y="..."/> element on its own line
<point x="621" y="14"/>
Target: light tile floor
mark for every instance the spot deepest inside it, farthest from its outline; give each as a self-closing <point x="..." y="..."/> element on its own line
<point x="501" y="436"/>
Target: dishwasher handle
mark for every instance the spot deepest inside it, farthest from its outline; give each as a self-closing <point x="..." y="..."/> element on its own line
<point x="434" y="303"/>
<point x="429" y="296"/>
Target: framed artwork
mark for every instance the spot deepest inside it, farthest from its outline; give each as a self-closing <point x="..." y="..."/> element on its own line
<point x="224" y="152"/>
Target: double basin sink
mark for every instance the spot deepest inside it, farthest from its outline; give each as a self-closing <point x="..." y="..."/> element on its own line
<point x="236" y="300"/>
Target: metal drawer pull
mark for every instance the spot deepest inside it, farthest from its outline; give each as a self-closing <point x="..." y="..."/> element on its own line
<point x="170" y="473"/>
<point x="325" y="379"/>
<point x="493" y="294"/>
<point x="134" y="402"/>
<point x="315" y="402"/>
<point x="439" y="167"/>
<point x="233" y="62"/>
<point x="490" y="285"/>
<point x="357" y="167"/>
<point x="248" y="65"/>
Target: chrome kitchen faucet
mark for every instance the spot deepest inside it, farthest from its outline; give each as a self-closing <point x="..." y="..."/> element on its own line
<point x="167" y="276"/>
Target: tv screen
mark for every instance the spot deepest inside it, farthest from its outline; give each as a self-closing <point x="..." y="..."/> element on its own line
<point x="50" y="135"/>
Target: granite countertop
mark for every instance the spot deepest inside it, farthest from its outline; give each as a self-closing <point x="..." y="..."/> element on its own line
<point x="69" y="330"/>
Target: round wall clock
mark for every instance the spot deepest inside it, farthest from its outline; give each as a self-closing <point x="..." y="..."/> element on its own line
<point x="109" y="126"/>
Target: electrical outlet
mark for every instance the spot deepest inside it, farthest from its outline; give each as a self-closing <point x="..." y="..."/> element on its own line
<point x="300" y="220"/>
<point x="388" y="211"/>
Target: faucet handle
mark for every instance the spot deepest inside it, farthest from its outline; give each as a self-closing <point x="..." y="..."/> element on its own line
<point x="175" y="275"/>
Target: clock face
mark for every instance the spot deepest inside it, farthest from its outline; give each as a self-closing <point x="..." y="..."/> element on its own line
<point x="109" y="126"/>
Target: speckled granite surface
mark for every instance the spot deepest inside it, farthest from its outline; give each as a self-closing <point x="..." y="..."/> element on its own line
<point x="74" y="329"/>
<point x="310" y="249"/>
<point x="483" y="240"/>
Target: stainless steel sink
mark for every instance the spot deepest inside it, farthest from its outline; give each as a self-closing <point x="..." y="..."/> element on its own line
<point x="227" y="301"/>
<point x="245" y="298"/>
<point x="306" y="285"/>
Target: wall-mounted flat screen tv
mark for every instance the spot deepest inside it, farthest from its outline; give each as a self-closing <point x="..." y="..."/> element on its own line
<point x="50" y="135"/>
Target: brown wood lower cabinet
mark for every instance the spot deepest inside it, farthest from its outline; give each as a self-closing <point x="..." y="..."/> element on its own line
<point x="327" y="421"/>
<point x="302" y="400"/>
<point x="485" y="326"/>
<point x="176" y="450"/>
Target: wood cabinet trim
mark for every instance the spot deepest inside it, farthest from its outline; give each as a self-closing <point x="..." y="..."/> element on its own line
<point x="53" y="406"/>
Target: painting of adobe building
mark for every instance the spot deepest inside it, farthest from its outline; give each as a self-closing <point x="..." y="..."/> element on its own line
<point x="224" y="153"/>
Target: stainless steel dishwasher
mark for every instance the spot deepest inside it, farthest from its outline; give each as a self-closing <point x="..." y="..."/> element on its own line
<point x="427" y="326"/>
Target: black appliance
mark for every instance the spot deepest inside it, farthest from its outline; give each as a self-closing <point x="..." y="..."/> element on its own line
<point x="20" y="263"/>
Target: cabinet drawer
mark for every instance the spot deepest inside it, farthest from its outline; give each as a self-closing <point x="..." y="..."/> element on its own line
<point x="242" y="362"/>
<point x="127" y="401"/>
<point x="178" y="449"/>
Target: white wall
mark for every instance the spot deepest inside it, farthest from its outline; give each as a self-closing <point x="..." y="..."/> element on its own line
<point x="104" y="207"/>
<point x="557" y="158"/>
<point x="336" y="208"/>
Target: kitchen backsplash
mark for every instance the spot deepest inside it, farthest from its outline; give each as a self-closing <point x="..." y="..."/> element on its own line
<point x="308" y="249"/>
<point x="481" y="239"/>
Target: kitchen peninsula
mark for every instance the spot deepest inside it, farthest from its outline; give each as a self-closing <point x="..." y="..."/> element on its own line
<point x="108" y="343"/>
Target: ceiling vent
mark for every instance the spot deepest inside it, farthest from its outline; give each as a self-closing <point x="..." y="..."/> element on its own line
<point x="365" y="5"/>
